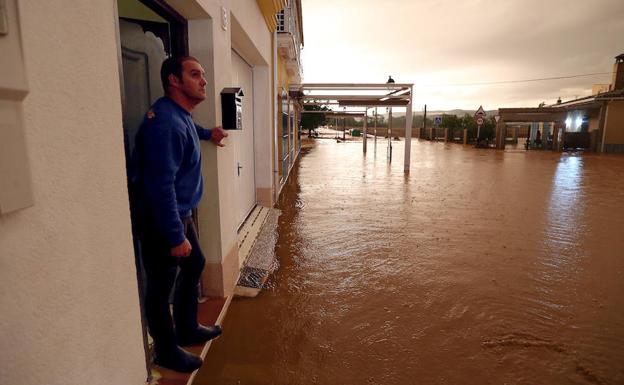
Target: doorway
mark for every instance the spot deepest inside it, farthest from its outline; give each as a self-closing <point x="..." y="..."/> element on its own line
<point x="149" y="32"/>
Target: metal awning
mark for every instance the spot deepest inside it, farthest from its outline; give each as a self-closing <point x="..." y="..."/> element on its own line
<point x="532" y="114"/>
<point x="354" y="94"/>
<point x="364" y="95"/>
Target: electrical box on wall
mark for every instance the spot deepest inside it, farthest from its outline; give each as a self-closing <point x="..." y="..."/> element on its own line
<point x="15" y="179"/>
<point x="232" y="108"/>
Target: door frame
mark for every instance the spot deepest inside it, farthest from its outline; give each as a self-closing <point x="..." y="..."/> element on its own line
<point x="179" y="25"/>
<point x="253" y="135"/>
<point x="177" y="45"/>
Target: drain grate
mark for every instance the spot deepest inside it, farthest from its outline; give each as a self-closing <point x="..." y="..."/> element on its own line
<point x="262" y="253"/>
<point x="252" y="277"/>
<point x="260" y="261"/>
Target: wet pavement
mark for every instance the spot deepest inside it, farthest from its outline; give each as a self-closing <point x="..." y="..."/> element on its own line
<point x="479" y="267"/>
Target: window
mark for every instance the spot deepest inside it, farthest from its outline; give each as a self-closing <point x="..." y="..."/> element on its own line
<point x="281" y="26"/>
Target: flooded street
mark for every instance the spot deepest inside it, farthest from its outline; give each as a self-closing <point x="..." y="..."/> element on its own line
<point x="479" y="267"/>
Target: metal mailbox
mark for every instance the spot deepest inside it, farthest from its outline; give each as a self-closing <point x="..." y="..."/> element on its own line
<point x="232" y="108"/>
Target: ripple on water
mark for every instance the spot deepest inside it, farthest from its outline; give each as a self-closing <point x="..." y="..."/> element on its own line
<point x="479" y="267"/>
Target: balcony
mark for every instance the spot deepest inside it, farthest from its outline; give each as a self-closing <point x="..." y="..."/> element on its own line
<point x="289" y="41"/>
<point x="293" y="69"/>
<point x="286" y="46"/>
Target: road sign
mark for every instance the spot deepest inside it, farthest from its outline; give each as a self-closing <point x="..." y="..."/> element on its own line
<point x="479" y="121"/>
<point x="437" y="120"/>
<point x="480" y="112"/>
<point x="497" y="118"/>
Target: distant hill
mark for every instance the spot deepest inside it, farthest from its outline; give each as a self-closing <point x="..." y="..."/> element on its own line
<point x="456" y="112"/>
<point x="449" y="112"/>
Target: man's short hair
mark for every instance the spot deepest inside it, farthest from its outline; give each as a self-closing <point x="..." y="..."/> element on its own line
<point x="173" y="65"/>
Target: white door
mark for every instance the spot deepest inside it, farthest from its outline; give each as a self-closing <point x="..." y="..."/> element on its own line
<point x="243" y="140"/>
<point x="142" y="54"/>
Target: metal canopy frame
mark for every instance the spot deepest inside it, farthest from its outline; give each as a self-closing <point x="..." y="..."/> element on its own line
<point x="556" y="115"/>
<point x="366" y="95"/>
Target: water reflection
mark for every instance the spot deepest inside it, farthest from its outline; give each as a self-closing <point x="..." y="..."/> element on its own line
<point x="565" y="226"/>
<point x="566" y="199"/>
<point x="480" y="267"/>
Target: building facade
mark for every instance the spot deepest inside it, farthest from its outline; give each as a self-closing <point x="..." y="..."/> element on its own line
<point x="73" y="91"/>
<point x="289" y="71"/>
<point x="594" y="123"/>
<point x="597" y="121"/>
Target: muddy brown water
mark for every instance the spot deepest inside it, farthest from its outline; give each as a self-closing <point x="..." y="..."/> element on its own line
<point x="479" y="267"/>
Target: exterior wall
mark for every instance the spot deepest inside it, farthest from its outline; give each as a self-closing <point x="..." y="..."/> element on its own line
<point x="594" y="128"/>
<point x="70" y="306"/>
<point x="617" y="80"/>
<point x="599" y="88"/>
<point x="263" y="97"/>
<point x="282" y="75"/>
<point x="292" y="25"/>
<point x="70" y="310"/>
<point x="282" y="87"/>
<point x="248" y="34"/>
<point x="594" y="119"/>
<point x="614" y="127"/>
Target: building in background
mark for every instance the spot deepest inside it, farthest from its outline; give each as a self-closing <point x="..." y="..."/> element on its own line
<point x="73" y="90"/>
<point x="289" y="71"/>
<point x="594" y="123"/>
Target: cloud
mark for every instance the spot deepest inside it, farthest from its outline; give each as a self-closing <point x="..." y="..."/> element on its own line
<point x="448" y="42"/>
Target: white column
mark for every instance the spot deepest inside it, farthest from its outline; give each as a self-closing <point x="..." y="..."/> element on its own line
<point x="375" y="131"/>
<point x="389" y="134"/>
<point x="408" y="134"/>
<point x="276" y="133"/>
<point x="365" y="131"/>
<point x="501" y="134"/>
<point x="604" y="128"/>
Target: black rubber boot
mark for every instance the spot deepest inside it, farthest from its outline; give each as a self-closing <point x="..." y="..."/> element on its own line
<point x="200" y="335"/>
<point x="185" y="307"/>
<point x="178" y="359"/>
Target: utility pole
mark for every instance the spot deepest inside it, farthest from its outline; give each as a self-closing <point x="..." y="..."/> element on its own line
<point x="389" y="130"/>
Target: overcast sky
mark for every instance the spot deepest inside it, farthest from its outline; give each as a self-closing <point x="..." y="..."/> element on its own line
<point x="441" y="45"/>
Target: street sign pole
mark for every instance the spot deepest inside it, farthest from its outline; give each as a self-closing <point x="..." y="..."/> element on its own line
<point x="479" y="116"/>
<point x="437" y="121"/>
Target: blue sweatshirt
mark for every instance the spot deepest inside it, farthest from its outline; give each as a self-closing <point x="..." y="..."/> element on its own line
<point x="168" y="161"/>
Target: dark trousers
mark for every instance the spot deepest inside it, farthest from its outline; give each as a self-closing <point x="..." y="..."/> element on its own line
<point x="160" y="270"/>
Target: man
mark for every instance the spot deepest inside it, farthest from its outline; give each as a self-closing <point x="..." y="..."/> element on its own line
<point x="169" y="186"/>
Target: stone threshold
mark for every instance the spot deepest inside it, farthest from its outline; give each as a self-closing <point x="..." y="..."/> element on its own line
<point x="211" y="311"/>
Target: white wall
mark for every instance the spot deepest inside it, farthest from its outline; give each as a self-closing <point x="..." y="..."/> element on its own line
<point x="212" y="45"/>
<point x="247" y="14"/>
<point x="70" y="310"/>
<point x="264" y="133"/>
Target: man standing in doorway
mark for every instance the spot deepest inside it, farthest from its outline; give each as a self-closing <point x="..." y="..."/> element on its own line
<point x="169" y="186"/>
